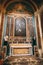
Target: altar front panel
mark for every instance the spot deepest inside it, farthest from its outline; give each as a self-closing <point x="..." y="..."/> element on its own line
<point x="20" y="49"/>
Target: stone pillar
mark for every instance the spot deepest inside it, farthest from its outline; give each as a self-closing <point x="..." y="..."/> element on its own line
<point x="0" y="26"/>
<point x="41" y="23"/>
<point x="38" y="33"/>
<point x="39" y="20"/>
<point x="2" y="18"/>
<point x="27" y="33"/>
<point x="35" y="16"/>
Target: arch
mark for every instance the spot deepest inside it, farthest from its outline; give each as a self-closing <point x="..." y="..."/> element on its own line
<point x="32" y="4"/>
<point x="27" y="6"/>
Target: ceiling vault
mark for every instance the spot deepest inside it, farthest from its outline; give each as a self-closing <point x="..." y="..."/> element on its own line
<point x="33" y="4"/>
<point x="7" y="2"/>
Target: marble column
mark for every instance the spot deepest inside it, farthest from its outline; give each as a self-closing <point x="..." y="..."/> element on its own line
<point x="39" y="20"/>
<point x="2" y="22"/>
<point x="35" y="16"/>
<point x="0" y="26"/>
<point x="0" y="17"/>
<point x="41" y="23"/>
<point x="38" y="33"/>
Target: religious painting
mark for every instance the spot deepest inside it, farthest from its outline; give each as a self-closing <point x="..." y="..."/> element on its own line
<point x="20" y="26"/>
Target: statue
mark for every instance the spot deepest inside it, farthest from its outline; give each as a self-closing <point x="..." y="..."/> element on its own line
<point x="6" y="43"/>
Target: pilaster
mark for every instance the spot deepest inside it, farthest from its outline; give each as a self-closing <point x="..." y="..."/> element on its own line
<point x="38" y="32"/>
<point x="1" y="23"/>
<point x="41" y="11"/>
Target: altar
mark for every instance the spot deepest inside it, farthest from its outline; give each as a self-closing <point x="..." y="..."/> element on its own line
<point x="20" y="49"/>
<point x="20" y="37"/>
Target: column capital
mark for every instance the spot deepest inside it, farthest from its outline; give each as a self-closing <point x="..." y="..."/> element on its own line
<point x="37" y="13"/>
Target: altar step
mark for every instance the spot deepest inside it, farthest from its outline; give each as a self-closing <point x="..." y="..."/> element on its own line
<point x="23" y="60"/>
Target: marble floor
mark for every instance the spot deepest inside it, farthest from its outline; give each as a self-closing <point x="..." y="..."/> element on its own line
<point x="23" y="60"/>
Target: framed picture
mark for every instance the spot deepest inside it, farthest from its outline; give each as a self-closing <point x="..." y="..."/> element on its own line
<point x="20" y="26"/>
